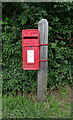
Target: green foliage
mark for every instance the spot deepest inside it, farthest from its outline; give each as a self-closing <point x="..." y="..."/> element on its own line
<point x="60" y="65"/>
<point x="18" y="16"/>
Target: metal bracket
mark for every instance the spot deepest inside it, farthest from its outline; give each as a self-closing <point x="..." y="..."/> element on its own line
<point x="35" y="45"/>
<point x="43" y="44"/>
<point x="43" y="60"/>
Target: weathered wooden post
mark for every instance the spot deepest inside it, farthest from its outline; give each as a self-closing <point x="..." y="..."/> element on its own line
<point x="42" y="73"/>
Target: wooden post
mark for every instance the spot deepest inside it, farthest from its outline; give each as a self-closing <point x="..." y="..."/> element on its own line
<point x="42" y="73"/>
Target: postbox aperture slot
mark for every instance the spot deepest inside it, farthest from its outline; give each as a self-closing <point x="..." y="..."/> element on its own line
<point x="33" y="37"/>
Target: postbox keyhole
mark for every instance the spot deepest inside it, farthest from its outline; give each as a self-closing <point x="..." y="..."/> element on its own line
<point x="30" y="46"/>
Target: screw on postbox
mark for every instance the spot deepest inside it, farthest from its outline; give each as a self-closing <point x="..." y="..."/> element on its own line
<point x="30" y="49"/>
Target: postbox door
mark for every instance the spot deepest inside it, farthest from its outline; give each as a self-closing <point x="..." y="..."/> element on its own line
<point x="30" y="58"/>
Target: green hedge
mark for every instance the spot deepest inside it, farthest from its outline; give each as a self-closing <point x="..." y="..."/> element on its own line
<point x="18" y="16"/>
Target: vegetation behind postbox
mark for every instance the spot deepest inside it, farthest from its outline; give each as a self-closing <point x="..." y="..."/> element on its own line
<point x="18" y="16"/>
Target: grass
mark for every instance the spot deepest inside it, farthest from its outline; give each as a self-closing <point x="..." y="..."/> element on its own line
<point x="57" y="105"/>
<point x="0" y="106"/>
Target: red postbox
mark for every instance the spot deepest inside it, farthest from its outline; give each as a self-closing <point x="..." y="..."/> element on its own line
<point x="30" y="49"/>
